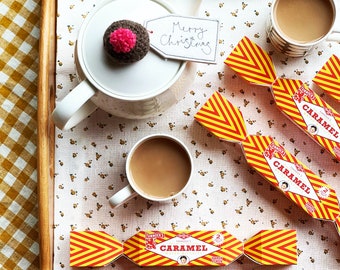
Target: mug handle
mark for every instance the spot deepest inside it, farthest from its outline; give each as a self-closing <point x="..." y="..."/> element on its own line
<point x="75" y="106"/>
<point x="334" y="36"/>
<point x="122" y="196"/>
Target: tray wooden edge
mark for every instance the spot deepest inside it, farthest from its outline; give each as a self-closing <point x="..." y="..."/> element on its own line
<point x="45" y="145"/>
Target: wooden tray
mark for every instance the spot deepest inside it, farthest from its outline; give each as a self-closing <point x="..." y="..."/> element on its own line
<point x="46" y="97"/>
<point x="46" y="144"/>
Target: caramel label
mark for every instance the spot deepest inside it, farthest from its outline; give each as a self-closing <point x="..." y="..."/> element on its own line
<point x="319" y="120"/>
<point x="183" y="248"/>
<point x="291" y="177"/>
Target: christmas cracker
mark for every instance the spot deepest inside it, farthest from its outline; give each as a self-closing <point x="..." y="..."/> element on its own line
<point x="293" y="97"/>
<point x="271" y="160"/>
<point x="182" y="248"/>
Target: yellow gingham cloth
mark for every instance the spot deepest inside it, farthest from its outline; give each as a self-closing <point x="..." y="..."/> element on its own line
<point x="19" y="28"/>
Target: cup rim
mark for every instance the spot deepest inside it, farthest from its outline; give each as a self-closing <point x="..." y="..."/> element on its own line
<point x="133" y="149"/>
<point x="82" y="62"/>
<point x="294" y="42"/>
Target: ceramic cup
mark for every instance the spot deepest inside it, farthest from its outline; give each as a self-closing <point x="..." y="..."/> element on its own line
<point x="139" y="90"/>
<point x="295" y="27"/>
<point x="159" y="167"/>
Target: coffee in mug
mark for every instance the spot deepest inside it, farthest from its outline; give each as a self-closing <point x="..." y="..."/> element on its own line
<point x="304" y="21"/>
<point x="296" y="26"/>
<point x="158" y="168"/>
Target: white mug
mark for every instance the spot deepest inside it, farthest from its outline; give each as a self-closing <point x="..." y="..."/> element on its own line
<point x="139" y="90"/>
<point x="290" y="43"/>
<point x="159" y="167"/>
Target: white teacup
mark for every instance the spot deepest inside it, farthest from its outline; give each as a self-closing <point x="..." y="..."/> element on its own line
<point x="295" y="27"/>
<point x="159" y="167"/>
<point x="139" y="90"/>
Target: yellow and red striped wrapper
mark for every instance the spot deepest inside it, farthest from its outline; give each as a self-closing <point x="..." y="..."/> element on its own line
<point x="328" y="78"/>
<point x="182" y="248"/>
<point x="271" y="160"/>
<point x="294" y="98"/>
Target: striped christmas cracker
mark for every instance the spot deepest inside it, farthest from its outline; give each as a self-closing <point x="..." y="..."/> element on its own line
<point x="271" y="160"/>
<point x="328" y="77"/>
<point x="294" y="98"/>
<point x="179" y="248"/>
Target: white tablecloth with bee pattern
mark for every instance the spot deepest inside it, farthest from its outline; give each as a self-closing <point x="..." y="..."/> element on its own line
<point x="225" y="193"/>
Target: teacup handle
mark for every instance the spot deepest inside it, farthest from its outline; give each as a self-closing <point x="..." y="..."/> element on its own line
<point x="75" y="106"/>
<point x="334" y="36"/>
<point x="122" y="196"/>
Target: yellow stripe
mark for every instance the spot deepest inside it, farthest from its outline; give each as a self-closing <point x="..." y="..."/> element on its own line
<point x="89" y="249"/>
<point x="264" y="238"/>
<point x="146" y="261"/>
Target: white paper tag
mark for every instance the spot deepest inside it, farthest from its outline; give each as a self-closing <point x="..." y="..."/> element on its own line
<point x="185" y="38"/>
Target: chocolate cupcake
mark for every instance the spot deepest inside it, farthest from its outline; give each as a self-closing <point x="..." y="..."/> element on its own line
<point x="126" y="41"/>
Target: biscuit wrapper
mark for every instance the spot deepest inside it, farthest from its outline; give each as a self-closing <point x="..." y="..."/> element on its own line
<point x="294" y="98"/>
<point x="271" y="160"/>
<point x="328" y="78"/>
<point x="182" y="248"/>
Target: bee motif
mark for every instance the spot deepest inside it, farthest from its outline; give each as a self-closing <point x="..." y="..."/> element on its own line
<point x="234" y="13"/>
<point x="224" y="224"/>
<point x="73" y="142"/>
<point x="139" y="214"/>
<point x="200" y="73"/>
<point x="89" y="214"/>
<point x="273" y="223"/>
<point x="103" y="175"/>
<point x="204" y="223"/>
<point x="99" y="206"/>
<point x="239" y="211"/>
<point x="175" y="202"/>
<point x="173" y="226"/>
<point x="189" y="212"/>
<point x="98" y="156"/>
<point x="153" y="224"/>
<point x="103" y="226"/>
<point x="123" y="227"/>
<point x="88" y="164"/>
<point x="253" y="221"/>
<point x="224" y="189"/>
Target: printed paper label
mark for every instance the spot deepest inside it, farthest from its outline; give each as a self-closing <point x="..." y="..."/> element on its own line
<point x="291" y="178"/>
<point x="320" y="121"/>
<point x="183" y="248"/>
<point x="185" y="38"/>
